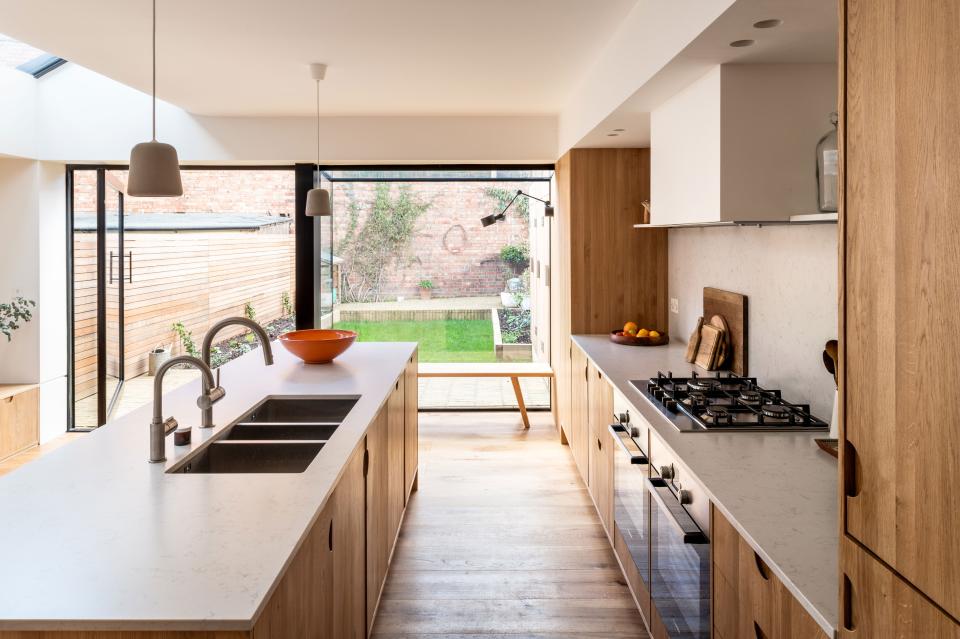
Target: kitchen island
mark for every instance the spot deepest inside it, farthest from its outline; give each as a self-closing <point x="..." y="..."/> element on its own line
<point x="95" y="538"/>
<point x="776" y="489"/>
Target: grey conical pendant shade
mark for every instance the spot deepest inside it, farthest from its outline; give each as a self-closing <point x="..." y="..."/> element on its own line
<point x="318" y="202"/>
<point x="154" y="171"/>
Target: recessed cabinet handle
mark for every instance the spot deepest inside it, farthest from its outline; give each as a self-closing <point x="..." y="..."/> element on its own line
<point x="851" y="470"/>
<point x="847" y="605"/>
<point x="366" y="462"/>
<point x="599" y="444"/>
<point x="9" y="399"/>
<point x="761" y="567"/>
<point x="758" y="632"/>
<point x="330" y="536"/>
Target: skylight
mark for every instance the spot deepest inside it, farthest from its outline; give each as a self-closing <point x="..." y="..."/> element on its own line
<point x="20" y="55"/>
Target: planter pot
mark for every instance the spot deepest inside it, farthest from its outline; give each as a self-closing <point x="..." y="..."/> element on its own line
<point x="525" y="303"/>
<point x="508" y="300"/>
<point x="514" y="284"/>
<point x="426" y="293"/>
<point x="156" y="359"/>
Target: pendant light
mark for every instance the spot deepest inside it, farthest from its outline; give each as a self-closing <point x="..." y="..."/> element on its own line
<point x="154" y="166"/>
<point x="318" y="200"/>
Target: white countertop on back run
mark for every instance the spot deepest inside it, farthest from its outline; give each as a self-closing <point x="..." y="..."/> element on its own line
<point x="778" y="489"/>
<point x="93" y="536"/>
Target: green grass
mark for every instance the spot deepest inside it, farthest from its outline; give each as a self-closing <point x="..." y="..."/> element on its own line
<point x="440" y="340"/>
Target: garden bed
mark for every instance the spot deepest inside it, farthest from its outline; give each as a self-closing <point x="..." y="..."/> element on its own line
<point x="231" y="349"/>
<point x="511" y="335"/>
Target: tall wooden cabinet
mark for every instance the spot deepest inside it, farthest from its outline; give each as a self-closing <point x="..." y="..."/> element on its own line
<point x="577" y="428"/>
<point x="604" y="272"/>
<point x="900" y="267"/>
<point x="599" y="444"/>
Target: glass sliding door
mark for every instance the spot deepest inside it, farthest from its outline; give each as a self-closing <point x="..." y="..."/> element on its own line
<point x="99" y="272"/>
<point x="117" y="273"/>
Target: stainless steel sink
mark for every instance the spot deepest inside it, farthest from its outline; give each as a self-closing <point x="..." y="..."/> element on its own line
<point x="279" y="432"/>
<point x="251" y="457"/>
<point x="299" y="410"/>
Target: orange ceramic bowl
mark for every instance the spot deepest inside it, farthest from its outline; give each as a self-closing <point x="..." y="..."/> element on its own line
<point x="317" y="346"/>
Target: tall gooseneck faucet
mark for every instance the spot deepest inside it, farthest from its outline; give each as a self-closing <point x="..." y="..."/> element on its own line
<point x="160" y="427"/>
<point x="207" y="346"/>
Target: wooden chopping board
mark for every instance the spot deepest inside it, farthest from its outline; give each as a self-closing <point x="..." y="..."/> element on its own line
<point x="733" y="308"/>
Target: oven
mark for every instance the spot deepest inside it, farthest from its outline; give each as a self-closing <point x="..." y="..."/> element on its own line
<point x="663" y="550"/>
<point x="631" y="513"/>
<point x="679" y="565"/>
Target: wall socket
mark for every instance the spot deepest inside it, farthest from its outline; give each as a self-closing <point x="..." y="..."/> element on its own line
<point x="674" y="305"/>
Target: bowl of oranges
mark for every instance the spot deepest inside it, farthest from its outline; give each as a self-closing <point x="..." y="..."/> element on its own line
<point x="633" y="335"/>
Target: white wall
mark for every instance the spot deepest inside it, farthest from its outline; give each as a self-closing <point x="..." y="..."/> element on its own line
<point x="685" y="154"/>
<point x="790" y="276"/>
<point x="18" y="105"/>
<point x="19" y="182"/>
<point x="87" y="117"/>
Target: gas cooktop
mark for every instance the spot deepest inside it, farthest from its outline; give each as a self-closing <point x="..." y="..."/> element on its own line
<point x="725" y="402"/>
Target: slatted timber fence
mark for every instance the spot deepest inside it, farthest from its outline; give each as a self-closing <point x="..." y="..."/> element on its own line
<point x="194" y="277"/>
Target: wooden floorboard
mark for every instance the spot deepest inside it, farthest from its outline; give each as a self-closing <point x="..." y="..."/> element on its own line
<point x="502" y="541"/>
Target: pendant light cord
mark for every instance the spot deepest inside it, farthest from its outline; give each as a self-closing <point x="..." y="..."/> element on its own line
<point x="318" y="132"/>
<point x="154" y="104"/>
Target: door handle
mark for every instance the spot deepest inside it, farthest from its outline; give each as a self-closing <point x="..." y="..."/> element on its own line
<point x="636" y="457"/>
<point x="851" y="470"/>
<point x="130" y="267"/>
<point x="330" y="536"/>
<point x="111" y="268"/>
<point x="678" y="515"/>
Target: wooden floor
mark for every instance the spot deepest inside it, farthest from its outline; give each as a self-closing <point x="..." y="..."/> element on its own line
<point x="12" y="463"/>
<point x="502" y="540"/>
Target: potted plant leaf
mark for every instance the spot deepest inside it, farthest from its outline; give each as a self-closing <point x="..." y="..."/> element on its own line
<point x="426" y="289"/>
<point x="13" y="313"/>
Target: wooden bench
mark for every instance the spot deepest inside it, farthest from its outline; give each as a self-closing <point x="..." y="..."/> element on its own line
<point x="505" y="369"/>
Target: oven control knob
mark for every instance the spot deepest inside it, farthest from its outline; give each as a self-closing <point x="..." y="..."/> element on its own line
<point x="685" y="496"/>
<point x="671" y="405"/>
<point x="666" y="472"/>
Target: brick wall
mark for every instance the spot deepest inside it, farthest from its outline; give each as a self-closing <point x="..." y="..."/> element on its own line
<point x="247" y="191"/>
<point x="450" y="247"/>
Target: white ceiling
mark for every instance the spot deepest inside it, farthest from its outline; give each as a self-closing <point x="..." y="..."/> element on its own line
<point x="808" y="34"/>
<point x="385" y="57"/>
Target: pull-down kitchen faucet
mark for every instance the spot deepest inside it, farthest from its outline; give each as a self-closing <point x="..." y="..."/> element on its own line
<point x="262" y="337"/>
<point x="160" y="427"/>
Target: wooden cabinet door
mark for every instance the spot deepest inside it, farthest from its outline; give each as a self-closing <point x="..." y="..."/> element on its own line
<point x="877" y="603"/>
<point x="600" y="400"/>
<point x="19" y="422"/>
<point x="348" y="545"/>
<point x="379" y="537"/>
<point x="900" y="270"/>
<point x="395" y="462"/>
<point x="411" y="429"/>
<point x="579" y="412"/>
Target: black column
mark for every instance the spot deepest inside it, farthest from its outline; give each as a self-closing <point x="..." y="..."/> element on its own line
<point x="304" y="297"/>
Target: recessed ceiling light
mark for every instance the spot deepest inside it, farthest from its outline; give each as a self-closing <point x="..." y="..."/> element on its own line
<point x="612" y="135"/>
<point x="768" y="24"/>
<point x="741" y="43"/>
<point x="619" y="130"/>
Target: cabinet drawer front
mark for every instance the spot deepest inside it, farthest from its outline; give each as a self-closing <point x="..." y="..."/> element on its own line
<point x="19" y="422"/>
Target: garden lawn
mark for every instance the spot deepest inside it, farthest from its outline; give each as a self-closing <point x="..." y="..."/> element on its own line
<point x="440" y="340"/>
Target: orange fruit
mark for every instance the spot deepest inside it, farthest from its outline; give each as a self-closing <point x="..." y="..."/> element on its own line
<point x="654" y="334"/>
<point x="643" y="332"/>
<point x="630" y="328"/>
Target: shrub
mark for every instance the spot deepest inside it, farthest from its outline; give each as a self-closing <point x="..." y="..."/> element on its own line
<point x="426" y="284"/>
<point x="516" y="255"/>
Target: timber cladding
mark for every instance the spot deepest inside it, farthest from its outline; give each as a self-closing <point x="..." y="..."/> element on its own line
<point x="196" y="278"/>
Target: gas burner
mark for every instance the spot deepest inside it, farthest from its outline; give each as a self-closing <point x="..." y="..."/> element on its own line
<point x="703" y="384"/>
<point x="718" y="413"/>
<point x="729" y="403"/>
<point x="776" y="411"/>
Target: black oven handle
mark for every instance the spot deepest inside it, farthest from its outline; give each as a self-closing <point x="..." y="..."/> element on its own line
<point x="681" y="519"/>
<point x="617" y="431"/>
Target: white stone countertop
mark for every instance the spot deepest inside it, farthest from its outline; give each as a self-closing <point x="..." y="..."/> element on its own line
<point x="779" y="490"/>
<point x="94" y="537"/>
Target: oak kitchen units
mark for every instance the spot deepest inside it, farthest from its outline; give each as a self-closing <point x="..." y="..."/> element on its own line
<point x="140" y="551"/>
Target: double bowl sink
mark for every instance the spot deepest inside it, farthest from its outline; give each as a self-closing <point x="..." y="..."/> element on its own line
<point x="278" y="435"/>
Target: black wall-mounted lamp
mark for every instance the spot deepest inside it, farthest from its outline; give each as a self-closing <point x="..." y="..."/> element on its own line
<point x="493" y="218"/>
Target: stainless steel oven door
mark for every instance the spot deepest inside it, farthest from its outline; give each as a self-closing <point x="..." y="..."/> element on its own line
<point x="631" y="500"/>
<point x="679" y="565"/>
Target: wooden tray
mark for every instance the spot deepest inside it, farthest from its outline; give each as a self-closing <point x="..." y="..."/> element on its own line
<point x="617" y="337"/>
